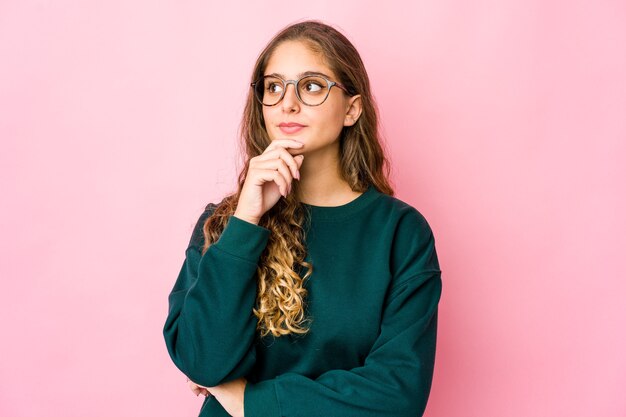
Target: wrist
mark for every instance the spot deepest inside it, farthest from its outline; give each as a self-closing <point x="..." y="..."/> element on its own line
<point x="248" y="219"/>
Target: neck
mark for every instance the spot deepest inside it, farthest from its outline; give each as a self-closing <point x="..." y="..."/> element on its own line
<point x="321" y="183"/>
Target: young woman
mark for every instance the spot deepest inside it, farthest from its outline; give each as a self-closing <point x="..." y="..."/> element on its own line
<point x="311" y="291"/>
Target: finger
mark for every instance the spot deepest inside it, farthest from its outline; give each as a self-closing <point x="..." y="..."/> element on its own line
<point x="285" y="156"/>
<point x="261" y="176"/>
<point x="299" y="159"/>
<point x="267" y="175"/>
<point x="284" y="143"/>
<point x="277" y="164"/>
<point x="194" y="388"/>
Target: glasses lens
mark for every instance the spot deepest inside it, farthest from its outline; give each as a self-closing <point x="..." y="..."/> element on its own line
<point x="268" y="90"/>
<point x="313" y="90"/>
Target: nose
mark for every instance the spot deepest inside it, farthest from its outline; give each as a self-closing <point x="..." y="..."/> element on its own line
<point x="290" y="100"/>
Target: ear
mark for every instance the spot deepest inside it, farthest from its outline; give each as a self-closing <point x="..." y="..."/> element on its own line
<point x="353" y="110"/>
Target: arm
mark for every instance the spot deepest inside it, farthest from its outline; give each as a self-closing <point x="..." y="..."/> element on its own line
<point x="396" y="376"/>
<point x="210" y="327"/>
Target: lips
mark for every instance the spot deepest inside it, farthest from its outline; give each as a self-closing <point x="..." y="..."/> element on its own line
<point x="290" y="127"/>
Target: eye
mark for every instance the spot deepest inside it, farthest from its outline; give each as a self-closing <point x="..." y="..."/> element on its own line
<point x="312" y="86"/>
<point x="272" y="85"/>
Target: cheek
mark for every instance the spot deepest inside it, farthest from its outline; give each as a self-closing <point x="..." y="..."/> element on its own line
<point x="267" y="120"/>
<point x="334" y="119"/>
<point x="330" y="128"/>
<point x="336" y="112"/>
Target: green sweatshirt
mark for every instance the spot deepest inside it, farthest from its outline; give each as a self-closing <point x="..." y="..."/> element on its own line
<point x="372" y="299"/>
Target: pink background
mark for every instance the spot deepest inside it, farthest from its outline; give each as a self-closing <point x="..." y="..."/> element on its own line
<point x="505" y="122"/>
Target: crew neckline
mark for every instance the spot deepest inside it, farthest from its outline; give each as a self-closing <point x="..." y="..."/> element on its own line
<point x="331" y="213"/>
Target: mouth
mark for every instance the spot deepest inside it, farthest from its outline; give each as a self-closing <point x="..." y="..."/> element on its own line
<point x="290" y="128"/>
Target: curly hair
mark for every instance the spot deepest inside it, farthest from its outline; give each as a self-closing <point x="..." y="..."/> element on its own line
<point x="281" y="297"/>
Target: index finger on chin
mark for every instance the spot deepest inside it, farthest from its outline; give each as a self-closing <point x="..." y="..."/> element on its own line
<point x="289" y="144"/>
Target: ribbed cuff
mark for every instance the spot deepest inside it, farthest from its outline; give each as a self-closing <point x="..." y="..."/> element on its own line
<point x="243" y="239"/>
<point x="261" y="400"/>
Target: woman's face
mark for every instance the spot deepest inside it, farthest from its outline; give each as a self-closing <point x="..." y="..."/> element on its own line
<point x="321" y="124"/>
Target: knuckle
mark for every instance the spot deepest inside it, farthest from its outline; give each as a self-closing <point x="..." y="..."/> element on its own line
<point x="285" y="152"/>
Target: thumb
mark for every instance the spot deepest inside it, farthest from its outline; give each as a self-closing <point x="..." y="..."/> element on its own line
<point x="299" y="159"/>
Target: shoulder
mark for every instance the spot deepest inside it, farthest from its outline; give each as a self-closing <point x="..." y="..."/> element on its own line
<point x="411" y="238"/>
<point x="403" y="216"/>
<point x="197" y="236"/>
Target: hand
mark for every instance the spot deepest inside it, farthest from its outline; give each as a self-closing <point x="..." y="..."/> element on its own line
<point x="269" y="176"/>
<point x="230" y="396"/>
<point x="198" y="389"/>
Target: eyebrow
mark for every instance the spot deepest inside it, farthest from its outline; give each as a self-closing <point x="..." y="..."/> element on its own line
<point x="302" y="74"/>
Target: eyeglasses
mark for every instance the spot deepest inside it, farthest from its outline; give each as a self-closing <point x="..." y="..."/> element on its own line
<point x="311" y="90"/>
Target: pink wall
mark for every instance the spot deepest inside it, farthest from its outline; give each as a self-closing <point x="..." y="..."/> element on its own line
<point x="505" y="122"/>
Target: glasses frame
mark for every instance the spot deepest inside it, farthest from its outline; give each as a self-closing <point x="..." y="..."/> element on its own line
<point x="295" y="83"/>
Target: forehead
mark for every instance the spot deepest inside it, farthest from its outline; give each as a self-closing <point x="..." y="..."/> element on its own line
<point x="290" y="59"/>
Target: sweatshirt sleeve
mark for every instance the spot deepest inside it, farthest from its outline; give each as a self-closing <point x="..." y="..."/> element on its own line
<point x="210" y="327"/>
<point x="396" y="376"/>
